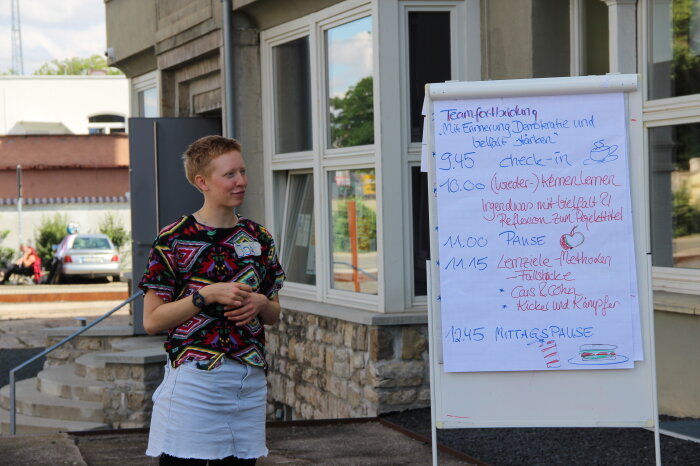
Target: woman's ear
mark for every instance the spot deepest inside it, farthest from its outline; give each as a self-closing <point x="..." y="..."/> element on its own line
<point x="201" y="183"/>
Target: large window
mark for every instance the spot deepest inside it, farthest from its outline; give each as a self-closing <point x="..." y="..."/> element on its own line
<point x="429" y="61"/>
<point x="318" y="97"/>
<point x="144" y="95"/>
<point x="673" y="48"/>
<point x="674" y="154"/>
<point x="670" y="41"/>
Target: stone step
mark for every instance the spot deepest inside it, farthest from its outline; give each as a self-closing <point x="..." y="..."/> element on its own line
<point x="93" y="366"/>
<point x="63" y="382"/>
<point x="32" y="402"/>
<point x="37" y="425"/>
<point x="139" y="343"/>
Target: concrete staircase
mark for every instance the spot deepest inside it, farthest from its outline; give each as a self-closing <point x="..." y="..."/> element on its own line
<point x="83" y="389"/>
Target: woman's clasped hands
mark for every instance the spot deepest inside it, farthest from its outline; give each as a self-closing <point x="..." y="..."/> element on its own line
<point x="241" y="303"/>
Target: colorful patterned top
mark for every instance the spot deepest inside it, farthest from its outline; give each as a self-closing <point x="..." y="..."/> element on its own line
<point x="187" y="256"/>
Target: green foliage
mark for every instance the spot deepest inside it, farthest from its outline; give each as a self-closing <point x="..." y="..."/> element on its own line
<point x="75" y="66"/>
<point x="112" y="227"/>
<point x="686" y="215"/>
<point x="352" y="117"/>
<point x="51" y="231"/>
<point x="6" y="254"/>
<point x="366" y="227"/>
<point x="686" y="63"/>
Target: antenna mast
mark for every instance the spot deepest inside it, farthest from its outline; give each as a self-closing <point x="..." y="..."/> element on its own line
<point x="17" y="60"/>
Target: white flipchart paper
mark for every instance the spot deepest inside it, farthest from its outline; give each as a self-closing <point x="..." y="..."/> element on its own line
<point x="534" y="224"/>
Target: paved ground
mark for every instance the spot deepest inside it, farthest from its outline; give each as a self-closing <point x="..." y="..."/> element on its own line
<point x="22" y="323"/>
<point x="367" y="443"/>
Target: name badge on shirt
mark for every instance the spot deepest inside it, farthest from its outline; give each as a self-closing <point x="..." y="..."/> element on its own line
<point x="248" y="248"/>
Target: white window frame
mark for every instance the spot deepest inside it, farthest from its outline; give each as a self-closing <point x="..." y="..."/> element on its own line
<point x="465" y="25"/>
<point x="657" y="113"/>
<point x="321" y="159"/>
<point x="389" y="21"/>
<point x="142" y="83"/>
<point x="300" y="290"/>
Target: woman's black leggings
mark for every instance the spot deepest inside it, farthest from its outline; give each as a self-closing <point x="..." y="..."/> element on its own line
<point x="167" y="460"/>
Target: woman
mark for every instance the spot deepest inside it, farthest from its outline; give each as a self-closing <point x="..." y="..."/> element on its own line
<point x="28" y="264"/>
<point x="212" y="282"/>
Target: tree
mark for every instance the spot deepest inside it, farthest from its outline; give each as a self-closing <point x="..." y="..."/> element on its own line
<point x="686" y="215"/>
<point x="685" y="69"/>
<point x="352" y="117"/>
<point x="112" y="227"/>
<point x="6" y="254"/>
<point x="50" y="232"/>
<point x="75" y="66"/>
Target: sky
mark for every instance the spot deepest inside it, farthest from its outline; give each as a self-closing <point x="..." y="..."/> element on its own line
<point x="350" y="54"/>
<point x="53" y="29"/>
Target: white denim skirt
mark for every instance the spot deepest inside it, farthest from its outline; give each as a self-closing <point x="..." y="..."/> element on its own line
<point x="209" y="414"/>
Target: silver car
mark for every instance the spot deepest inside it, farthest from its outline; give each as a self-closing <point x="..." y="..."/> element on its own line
<point x="85" y="255"/>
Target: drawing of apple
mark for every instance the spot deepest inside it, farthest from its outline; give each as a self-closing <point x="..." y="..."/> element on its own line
<point x="572" y="239"/>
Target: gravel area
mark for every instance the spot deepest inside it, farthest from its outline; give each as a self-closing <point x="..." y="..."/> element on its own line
<point x="555" y="446"/>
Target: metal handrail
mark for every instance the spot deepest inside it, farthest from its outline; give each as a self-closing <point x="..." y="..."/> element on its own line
<point x="362" y="271"/>
<point x="13" y="407"/>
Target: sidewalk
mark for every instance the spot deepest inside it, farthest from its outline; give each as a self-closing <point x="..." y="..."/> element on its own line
<point x="52" y="293"/>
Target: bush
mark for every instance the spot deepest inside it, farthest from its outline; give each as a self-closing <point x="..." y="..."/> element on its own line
<point x="112" y="227"/>
<point x="50" y="232"/>
<point x="6" y="254"/>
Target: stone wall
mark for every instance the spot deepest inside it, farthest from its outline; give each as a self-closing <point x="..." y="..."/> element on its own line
<point x="124" y="380"/>
<point x="73" y="349"/>
<point x="324" y="368"/>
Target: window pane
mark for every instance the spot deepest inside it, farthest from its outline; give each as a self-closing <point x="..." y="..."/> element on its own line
<point x="299" y="246"/>
<point x="675" y="195"/>
<point x="349" y="75"/>
<point x="596" y="47"/>
<point x="421" y="230"/>
<point x="428" y="59"/>
<point x="148" y="103"/>
<point x="674" y="61"/>
<point x="292" y="96"/>
<point x="353" y="230"/>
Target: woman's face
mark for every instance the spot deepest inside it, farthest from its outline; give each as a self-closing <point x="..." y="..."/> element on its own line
<point x="227" y="181"/>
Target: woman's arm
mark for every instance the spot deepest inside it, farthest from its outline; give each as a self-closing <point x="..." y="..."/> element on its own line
<point x="29" y="260"/>
<point x="159" y="315"/>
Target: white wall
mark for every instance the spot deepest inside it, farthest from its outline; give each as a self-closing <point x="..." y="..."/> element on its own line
<point x="87" y="216"/>
<point x="61" y="99"/>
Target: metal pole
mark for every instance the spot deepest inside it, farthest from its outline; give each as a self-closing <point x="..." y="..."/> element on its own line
<point x="20" y="236"/>
<point x="13" y="409"/>
<point x="228" y="68"/>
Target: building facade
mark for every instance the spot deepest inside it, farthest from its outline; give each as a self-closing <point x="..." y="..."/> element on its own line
<point x="327" y="100"/>
<point x="63" y="137"/>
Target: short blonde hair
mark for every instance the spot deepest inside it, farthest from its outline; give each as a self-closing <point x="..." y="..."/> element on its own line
<point x="198" y="155"/>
